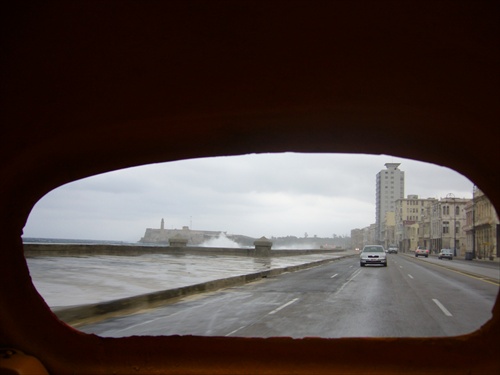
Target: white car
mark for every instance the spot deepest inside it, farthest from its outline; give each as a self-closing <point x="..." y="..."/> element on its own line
<point x="421" y="251"/>
<point x="392" y="250"/>
<point x="446" y="253"/>
<point x="373" y="254"/>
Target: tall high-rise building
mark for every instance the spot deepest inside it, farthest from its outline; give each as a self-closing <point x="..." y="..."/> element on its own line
<point x="390" y="187"/>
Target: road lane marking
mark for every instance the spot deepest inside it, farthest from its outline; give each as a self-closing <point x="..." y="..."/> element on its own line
<point x="356" y="273"/>
<point x="331" y="277"/>
<point x="236" y="330"/>
<point x="410" y="276"/>
<point x="443" y="309"/>
<point x="283" y="306"/>
<point x="270" y="313"/>
<point x="134" y="325"/>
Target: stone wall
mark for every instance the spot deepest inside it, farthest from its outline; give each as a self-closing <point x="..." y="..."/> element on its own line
<point x="33" y="250"/>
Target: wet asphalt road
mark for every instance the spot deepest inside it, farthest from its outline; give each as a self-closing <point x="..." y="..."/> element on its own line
<point x="409" y="298"/>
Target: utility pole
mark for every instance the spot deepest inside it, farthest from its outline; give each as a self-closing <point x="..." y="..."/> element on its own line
<point x="454" y="227"/>
<point x="473" y="222"/>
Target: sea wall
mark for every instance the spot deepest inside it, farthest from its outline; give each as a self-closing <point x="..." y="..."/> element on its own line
<point x="34" y="250"/>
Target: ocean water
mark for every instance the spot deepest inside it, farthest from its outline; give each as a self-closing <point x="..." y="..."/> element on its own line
<point x="67" y="241"/>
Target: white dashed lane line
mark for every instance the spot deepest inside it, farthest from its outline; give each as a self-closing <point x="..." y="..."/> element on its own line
<point x="270" y="313"/>
<point x="283" y="306"/>
<point x="443" y="309"/>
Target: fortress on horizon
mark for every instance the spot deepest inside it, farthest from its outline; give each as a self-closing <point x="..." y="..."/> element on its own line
<point x="163" y="236"/>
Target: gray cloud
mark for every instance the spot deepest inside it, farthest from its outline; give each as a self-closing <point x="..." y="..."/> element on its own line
<point x="255" y="195"/>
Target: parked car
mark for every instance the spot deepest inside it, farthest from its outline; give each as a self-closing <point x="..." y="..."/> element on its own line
<point x="373" y="254"/>
<point x="392" y="250"/>
<point x="446" y="253"/>
<point x="421" y="251"/>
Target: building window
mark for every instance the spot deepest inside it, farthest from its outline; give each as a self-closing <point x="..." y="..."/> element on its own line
<point x="446" y="227"/>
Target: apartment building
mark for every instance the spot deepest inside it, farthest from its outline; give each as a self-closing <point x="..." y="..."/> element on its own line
<point x="481" y="227"/>
<point x="388" y="237"/>
<point x="357" y="238"/>
<point x="411" y="222"/>
<point x="447" y="223"/>
<point x="390" y="186"/>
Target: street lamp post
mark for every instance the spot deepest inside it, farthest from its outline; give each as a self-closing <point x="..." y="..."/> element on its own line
<point x="473" y="223"/>
<point x="451" y="195"/>
<point x="454" y="228"/>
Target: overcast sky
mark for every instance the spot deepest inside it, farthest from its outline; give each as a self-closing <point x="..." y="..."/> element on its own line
<point x="254" y="195"/>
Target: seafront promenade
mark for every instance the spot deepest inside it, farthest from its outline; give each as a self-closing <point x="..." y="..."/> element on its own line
<point x="83" y="287"/>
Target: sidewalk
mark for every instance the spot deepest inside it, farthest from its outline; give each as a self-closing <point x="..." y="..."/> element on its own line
<point x="486" y="269"/>
<point x="461" y="257"/>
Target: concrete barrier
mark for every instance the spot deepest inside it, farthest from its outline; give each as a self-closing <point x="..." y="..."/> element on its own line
<point x="91" y="313"/>
<point x="33" y="250"/>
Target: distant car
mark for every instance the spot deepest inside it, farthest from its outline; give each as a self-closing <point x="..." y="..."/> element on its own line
<point x="373" y="254"/>
<point x="392" y="250"/>
<point x="446" y="253"/>
<point x="422" y="251"/>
